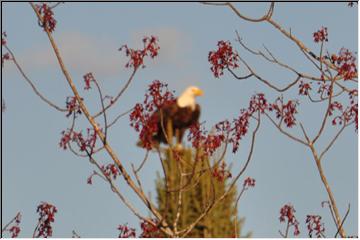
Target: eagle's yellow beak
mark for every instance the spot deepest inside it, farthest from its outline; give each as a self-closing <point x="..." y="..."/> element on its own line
<point x="198" y="92"/>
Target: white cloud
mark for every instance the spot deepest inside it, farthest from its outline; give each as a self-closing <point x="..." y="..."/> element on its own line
<point x="81" y="53"/>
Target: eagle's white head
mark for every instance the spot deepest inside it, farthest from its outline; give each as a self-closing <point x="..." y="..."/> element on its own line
<point x="187" y="98"/>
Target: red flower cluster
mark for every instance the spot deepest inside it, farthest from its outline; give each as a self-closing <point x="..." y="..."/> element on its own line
<point x="77" y="137"/>
<point x="47" y="17"/>
<point x="126" y="232"/>
<point x="88" y="78"/>
<point x="240" y="129"/>
<point x="287" y="213"/>
<point x="345" y="63"/>
<point x="199" y="137"/>
<point x="321" y="35"/>
<point x="223" y="57"/>
<point x="5" y="56"/>
<point x="110" y="170"/>
<point x="3" y="38"/>
<point x="249" y="182"/>
<point x="223" y="130"/>
<point x="215" y="139"/>
<point x="14" y="228"/>
<point x="347" y="115"/>
<point x="221" y="173"/>
<point x="241" y="124"/>
<point x="142" y="118"/>
<point x="333" y="106"/>
<point x="72" y="106"/>
<point x="258" y="102"/>
<point x="314" y="225"/>
<point x="149" y="231"/>
<point x="151" y="48"/>
<point x="285" y="111"/>
<point x="46" y="217"/>
<point x="304" y="88"/>
<point x="324" y="89"/>
<point x="352" y="114"/>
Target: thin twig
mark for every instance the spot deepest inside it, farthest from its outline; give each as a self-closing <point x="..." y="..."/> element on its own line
<point x="119" y="94"/>
<point x="32" y="85"/>
<point x="10" y="222"/>
<point x="119" y="116"/>
<point x="342" y="222"/>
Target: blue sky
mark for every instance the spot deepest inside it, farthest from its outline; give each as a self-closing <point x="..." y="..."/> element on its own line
<point x="35" y="169"/>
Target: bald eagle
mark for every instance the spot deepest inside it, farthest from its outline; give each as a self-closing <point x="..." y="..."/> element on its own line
<point x="183" y="112"/>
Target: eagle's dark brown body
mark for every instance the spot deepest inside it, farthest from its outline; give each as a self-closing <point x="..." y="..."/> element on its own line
<point x="181" y="119"/>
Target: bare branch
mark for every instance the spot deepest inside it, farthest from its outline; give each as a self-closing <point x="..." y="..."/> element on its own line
<point x="266" y="17"/>
<point x="32" y="85"/>
<point x="286" y="133"/>
<point x="119" y="116"/>
<point x="333" y="140"/>
<point x="253" y="73"/>
<point x="326" y="112"/>
<point x="119" y="94"/>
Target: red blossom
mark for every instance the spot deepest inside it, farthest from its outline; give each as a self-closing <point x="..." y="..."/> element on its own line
<point x="5" y="57"/>
<point x="72" y="106"/>
<point x="240" y="129"/>
<point x="304" y="88"/>
<point x="47" y="16"/>
<point x="150" y="231"/>
<point x="14" y="230"/>
<point x="46" y="217"/>
<point x="84" y="143"/>
<point x="221" y="173"/>
<point x="285" y="111"/>
<point x="89" y="179"/>
<point x="196" y="135"/>
<point x="110" y="170"/>
<point x="345" y="63"/>
<point x="199" y="137"/>
<point x="249" y="182"/>
<point x="143" y="119"/>
<point x="151" y="48"/>
<point x="14" y="227"/>
<point x="258" y="102"/>
<point x="314" y="224"/>
<point x="88" y="78"/>
<point x="333" y="106"/>
<point x="3" y="38"/>
<point x="224" y="57"/>
<point x="324" y="89"/>
<point x="126" y="231"/>
<point x="287" y="213"/>
<point x="321" y="35"/>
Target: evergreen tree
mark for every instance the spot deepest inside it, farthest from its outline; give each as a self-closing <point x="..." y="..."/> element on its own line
<point x="197" y="193"/>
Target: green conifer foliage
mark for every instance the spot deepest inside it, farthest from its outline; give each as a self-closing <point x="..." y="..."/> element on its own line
<point x="198" y="191"/>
